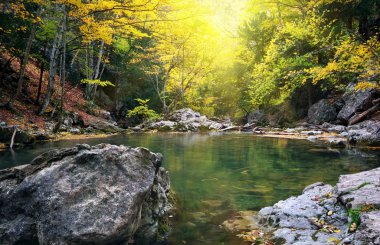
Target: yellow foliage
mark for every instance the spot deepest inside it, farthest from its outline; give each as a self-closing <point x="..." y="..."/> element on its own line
<point x="366" y="85"/>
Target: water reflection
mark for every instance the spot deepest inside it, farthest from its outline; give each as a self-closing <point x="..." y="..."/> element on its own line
<point x="216" y="175"/>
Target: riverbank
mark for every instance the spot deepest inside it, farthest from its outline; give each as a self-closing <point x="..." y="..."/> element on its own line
<point x="348" y="213"/>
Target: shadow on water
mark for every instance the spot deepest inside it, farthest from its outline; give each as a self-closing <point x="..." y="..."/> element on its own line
<point x="216" y="175"/>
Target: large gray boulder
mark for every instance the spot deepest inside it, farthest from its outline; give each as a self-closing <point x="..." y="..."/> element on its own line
<point x="106" y="126"/>
<point x="354" y="102"/>
<point x="321" y="112"/>
<point x="184" y="114"/>
<point x="366" y="133"/>
<point x="84" y="195"/>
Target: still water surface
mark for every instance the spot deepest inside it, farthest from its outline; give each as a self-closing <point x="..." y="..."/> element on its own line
<point x="217" y="175"/>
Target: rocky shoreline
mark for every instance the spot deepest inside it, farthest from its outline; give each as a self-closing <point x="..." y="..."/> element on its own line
<point x="348" y="213"/>
<point x="321" y="125"/>
<point x="85" y="195"/>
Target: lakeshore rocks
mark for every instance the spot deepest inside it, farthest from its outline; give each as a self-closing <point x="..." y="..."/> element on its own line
<point x="366" y="133"/>
<point x="105" y="126"/>
<point x="84" y="195"/>
<point x="321" y="112"/>
<point x="320" y="214"/>
<point x="185" y="120"/>
<point x="355" y="102"/>
<point x="293" y="217"/>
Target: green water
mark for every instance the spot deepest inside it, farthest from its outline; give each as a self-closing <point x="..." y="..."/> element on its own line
<point x="217" y="175"/>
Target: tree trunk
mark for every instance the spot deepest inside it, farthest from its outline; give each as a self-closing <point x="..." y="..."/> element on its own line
<point x="42" y="68"/>
<point x="13" y="137"/>
<point x="24" y="62"/>
<point x="90" y="75"/>
<point x="182" y="78"/>
<point x="96" y="74"/>
<point x="52" y="69"/>
<point x="63" y="73"/>
<point x="364" y="27"/>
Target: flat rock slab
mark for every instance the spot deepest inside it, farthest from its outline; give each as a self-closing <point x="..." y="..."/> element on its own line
<point x="369" y="229"/>
<point x="357" y="190"/>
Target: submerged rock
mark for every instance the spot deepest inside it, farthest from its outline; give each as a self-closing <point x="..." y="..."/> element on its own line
<point x="320" y="214"/>
<point x="84" y="195"/>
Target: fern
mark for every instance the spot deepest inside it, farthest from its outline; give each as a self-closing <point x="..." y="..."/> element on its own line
<point x="98" y="82"/>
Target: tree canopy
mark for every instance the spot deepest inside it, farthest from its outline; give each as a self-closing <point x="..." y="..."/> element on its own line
<point x="222" y="58"/>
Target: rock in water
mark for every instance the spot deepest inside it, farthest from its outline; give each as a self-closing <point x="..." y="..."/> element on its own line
<point x="83" y="195"/>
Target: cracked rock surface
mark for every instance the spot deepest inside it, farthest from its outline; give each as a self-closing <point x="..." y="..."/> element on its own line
<point x="83" y="195"/>
<point x="320" y="214"/>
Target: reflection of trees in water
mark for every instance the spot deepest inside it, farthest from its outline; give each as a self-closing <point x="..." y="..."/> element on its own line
<point x="214" y="175"/>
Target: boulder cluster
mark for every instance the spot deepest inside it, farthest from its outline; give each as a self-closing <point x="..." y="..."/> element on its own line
<point x="353" y="110"/>
<point x="185" y="120"/>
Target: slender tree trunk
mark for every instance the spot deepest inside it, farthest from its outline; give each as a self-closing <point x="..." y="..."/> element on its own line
<point x="24" y="62"/>
<point x="91" y="88"/>
<point x="63" y="75"/>
<point x="42" y="68"/>
<point x="364" y="27"/>
<point x="97" y="69"/>
<point x="90" y="61"/>
<point x="279" y="14"/>
<point x="13" y="137"/>
<point x="52" y="69"/>
<point x="182" y="77"/>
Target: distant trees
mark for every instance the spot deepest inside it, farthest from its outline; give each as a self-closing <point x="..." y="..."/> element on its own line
<point x="292" y="45"/>
<point x="163" y="51"/>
